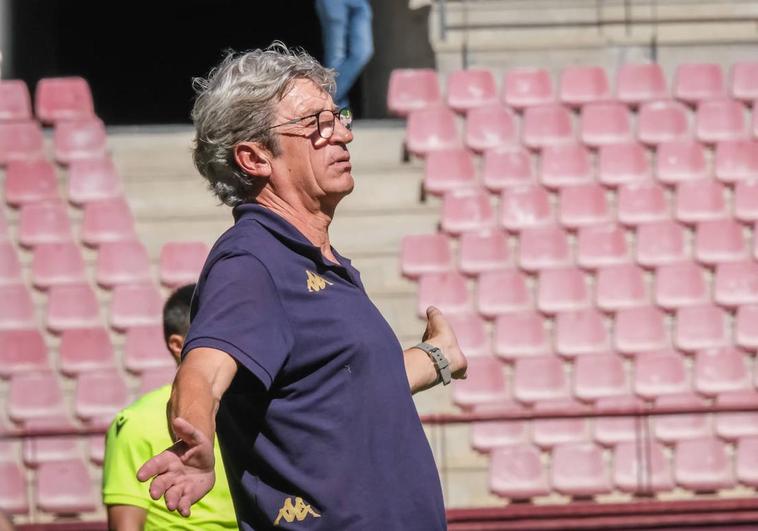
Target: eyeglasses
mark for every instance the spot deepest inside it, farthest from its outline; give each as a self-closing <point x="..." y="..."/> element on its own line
<point x="325" y="121"/>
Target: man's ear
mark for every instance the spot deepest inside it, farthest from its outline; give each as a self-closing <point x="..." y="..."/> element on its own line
<point x="253" y="159"/>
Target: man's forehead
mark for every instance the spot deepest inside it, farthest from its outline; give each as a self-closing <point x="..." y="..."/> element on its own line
<point x="305" y="97"/>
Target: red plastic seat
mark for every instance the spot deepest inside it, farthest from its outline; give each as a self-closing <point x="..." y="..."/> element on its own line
<point x="180" y="263"/>
<point x="754" y="121"/>
<point x="543" y="248"/>
<point x="57" y="263"/>
<point x="578" y="469"/>
<point x="411" y="89"/>
<point x="20" y="141"/>
<point x="583" y="205"/>
<point x="599" y="376"/>
<point x="547" y="125"/>
<point x="490" y="127"/>
<point x="483" y="251"/>
<point x="507" y="166"/>
<point x="580" y="332"/>
<point x="4" y="235"/>
<point x="503" y="291"/>
<point x="639" y="83"/>
<point x="490" y="435"/>
<point x="10" y="267"/>
<point x="720" y="370"/>
<point x="643" y="202"/>
<point x="44" y="222"/>
<point x="736" y="160"/>
<point x="584" y="84"/>
<point x="17" y="310"/>
<point x="547" y="433"/>
<point x="125" y="262"/>
<point x="746" y="201"/>
<point x="155" y="378"/>
<point x="72" y="306"/>
<point x="93" y="179"/>
<point x="663" y="121"/>
<point x="746" y="461"/>
<point x="605" y="123"/>
<point x="640" y="329"/>
<point x="466" y="211"/>
<point x="135" y="305"/>
<point x="524" y="207"/>
<point x="97" y="449"/>
<point x="35" y="395"/>
<point x="746" y="327"/>
<point x="701" y="327"/>
<point x="703" y="465"/>
<point x="13" y="490"/>
<point x="470" y="331"/>
<point x="610" y="431"/>
<point x="527" y="87"/>
<point x="719" y="120"/>
<point x="620" y="286"/>
<point x="145" y="349"/>
<point x="566" y="164"/>
<point x="622" y="163"/>
<point x="100" y="394"/>
<point x="63" y="98"/>
<point x="447" y="291"/>
<point x="601" y="246"/>
<point x="639" y="470"/>
<point x="681" y="161"/>
<point x="15" y="103"/>
<point x="85" y="349"/>
<point x="106" y="221"/>
<point x="731" y="426"/>
<point x="471" y="88"/>
<point x="430" y="130"/>
<point x="696" y="82"/>
<point x="484" y="383"/>
<point x="425" y="253"/>
<point x="700" y="200"/>
<point x="660" y="372"/>
<point x="37" y="450"/>
<point x="661" y="243"/>
<point x="449" y="169"/>
<point x="22" y="351"/>
<point x="30" y="181"/>
<point x="520" y="334"/>
<point x="538" y="378"/>
<point x="65" y="487"/>
<point x="736" y="284"/>
<point x="562" y="289"/>
<point x="743" y="81"/>
<point x="79" y="139"/>
<point x="719" y="241"/>
<point x="681" y="426"/>
<point x="517" y="472"/>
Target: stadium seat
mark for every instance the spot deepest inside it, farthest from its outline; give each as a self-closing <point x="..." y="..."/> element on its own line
<point x="96" y="445"/>
<point x="447" y="291"/>
<point x="20" y="141"/>
<point x="93" y="179"/>
<point x="412" y="89"/>
<point x="610" y="431"/>
<point x="661" y="243"/>
<point x="72" y="306"/>
<point x="736" y="160"/>
<point x="520" y="334"/>
<point x="578" y="469"/>
<point x="641" y="470"/>
<point x="746" y="461"/>
<point x="483" y="251"/>
<point x="63" y="98"/>
<point x="44" y="222"/>
<point x="643" y="202"/>
<point x="696" y="82"/>
<point x="700" y="200"/>
<point x="547" y="125"/>
<point x="539" y="378"/>
<point x="4" y="234"/>
<point x="107" y="220"/>
<point x="57" y="263"/>
<point x="85" y="349"/>
<point x="155" y="378"/>
<point x="64" y="487"/>
<point x="701" y="327"/>
<point x="583" y="205"/>
<point x="703" y="465"/>
<point x="471" y="333"/>
<point x="660" y="372"/>
<point x="718" y="241"/>
<point x="467" y="210"/>
<point x="13" y="490"/>
<point x="640" y="329"/>
<point x="470" y="88"/>
<point x="507" y="166"/>
<point x="37" y="450"/>
<point x="732" y="426"/>
<point x="601" y="246"/>
<point x="720" y="370"/>
<point x="180" y="262"/>
<point x="580" y="332"/>
<point x="35" y="395"/>
<point x="663" y="121"/>
<point x="736" y="284"/>
<point x="562" y="289"/>
<point x="622" y="163"/>
<point x="599" y="376"/>
<point x="547" y="433"/>
<point x="746" y="201"/>
<point x="620" y="286"/>
<point x="22" y="351"/>
<point x="605" y="123"/>
<point x="543" y="248"/>
<point x="566" y="165"/>
<point x="15" y="103"/>
<point x="425" y="253"/>
<point x="135" y="305"/>
<point x="517" y="472"/>
<point x="484" y="383"/>
<point x="639" y="83"/>
<point x="743" y="81"/>
<point x="490" y="435"/>
<point x="30" y="181"/>
<point x="581" y="85"/>
<point x="449" y="169"/>
<point x="720" y="120"/>
<point x="525" y="206"/>
<point x="125" y="262"/>
<point x="490" y="127"/>
<point x="145" y="349"/>
<point x="79" y="139"/>
<point x="680" y="161"/>
<point x="754" y="121"/>
<point x="17" y="310"/>
<point x="430" y="130"/>
<point x="746" y="327"/>
<point x="503" y="291"/>
<point x="681" y="426"/>
<point x="10" y="267"/>
<point x="100" y="394"/>
<point x="527" y="87"/>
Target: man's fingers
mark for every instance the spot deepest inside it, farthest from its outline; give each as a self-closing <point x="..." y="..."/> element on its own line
<point x="172" y="497"/>
<point x="161" y="484"/>
<point x="156" y="465"/>
<point x="184" y="505"/>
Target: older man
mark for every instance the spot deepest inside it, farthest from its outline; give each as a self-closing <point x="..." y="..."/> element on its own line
<point x="287" y="359"/>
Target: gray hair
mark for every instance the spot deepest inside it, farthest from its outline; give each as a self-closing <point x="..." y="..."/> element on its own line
<point x="237" y="103"/>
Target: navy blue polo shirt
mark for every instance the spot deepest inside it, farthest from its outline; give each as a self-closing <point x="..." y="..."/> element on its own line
<point x="318" y="429"/>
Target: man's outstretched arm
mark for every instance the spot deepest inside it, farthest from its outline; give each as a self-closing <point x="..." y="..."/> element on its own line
<point x="184" y="473"/>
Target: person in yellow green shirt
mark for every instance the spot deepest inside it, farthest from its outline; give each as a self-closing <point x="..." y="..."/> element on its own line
<point x="140" y="431"/>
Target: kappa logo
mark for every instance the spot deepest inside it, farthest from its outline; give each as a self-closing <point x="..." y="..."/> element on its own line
<point x="315" y="283"/>
<point x="298" y="511"/>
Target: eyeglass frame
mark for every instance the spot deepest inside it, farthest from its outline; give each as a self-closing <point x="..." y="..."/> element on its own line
<point x="336" y="115"/>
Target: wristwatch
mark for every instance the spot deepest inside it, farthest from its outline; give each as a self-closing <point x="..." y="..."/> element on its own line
<point x="439" y="360"/>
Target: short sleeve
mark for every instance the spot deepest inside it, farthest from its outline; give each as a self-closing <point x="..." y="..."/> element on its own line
<point x="125" y="451"/>
<point x="238" y="311"/>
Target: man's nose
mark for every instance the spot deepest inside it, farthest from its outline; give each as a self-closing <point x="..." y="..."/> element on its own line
<point x="341" y="133"/>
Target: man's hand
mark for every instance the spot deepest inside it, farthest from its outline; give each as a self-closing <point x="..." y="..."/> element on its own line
<point x="440" y="334"/>
<point x="184" y="472"/>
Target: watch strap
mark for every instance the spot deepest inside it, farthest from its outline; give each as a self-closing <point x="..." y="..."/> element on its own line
<point x="439" y="360"/>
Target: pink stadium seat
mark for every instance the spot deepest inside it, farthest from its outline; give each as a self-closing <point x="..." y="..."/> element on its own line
<point x="663" y="121"/>
<point x="620" y="286"/>
<point x="700" y="327"/>
<point x="623" y="163"/>
<point x="746" y="461"/>
<point x="640" y="329"/>
<point x="719" y="241"/>
<point x="700" y="200"/>
<point x="736" y="160"/>
<point x="34" y="395"/>
<point x="4" y="234"/>
<point x="527" y="87"/>
<point x="30" y="181"/>
<point x="584" y="84"/>
<point x="610" y="431"/>
<point x="468" y="89"/>
<point x="676" y="427"/>
<point x="15" y="103"/>
<point x="17" y="310"/>
<point x="125" y="262"/>
<point x="467" y="210"/>
<point x="425" y="253"/>
<point x="754" y="121"/>
<point x="107" y="220"/>
<point x="539" y="378"/>
<point x="180" y="263"/>
<point x="93" y="179"/>
<point x="155" y="378"/>
<point x="599" y="376"/>
<point x="484" y="383"/>
<point x="736" y="284"/>
<point x="449" y="169"/>
<point x="543" y="248"/>
<point x="578" y="469"/>
<point x="22" y="351"/>
<point x="660" y="372"/>
<point x="483" y="251"/>
<point x="503" y="291"/>
<point x="517" y="472"/>
<point x="719" y="120"/>
<point x="97" y="449"/>
<point x="580" y="332"/>
<point x="546" y="125"/>
<point x="430" y="130"/>
<point x="746" y="327"/>
<point x="79" y="139"/>
<point x="746" y="201"/>
<point x="135" y="305"/>
<point x="524" y="207"/>
<point x="447" y="291"/>
<point x="20" y="141"/>
<point x="601" y="245"/>
<point x="731" y="426"/>
<point x="100" y="394"/>
<point x="605" y="123"/>
<point x="641" y="469"/>
<point x="10" y="267"/>
<point x="643" y="202"/>
<point x="488" y="436"/>
<point x="547" y="433"/>
<point x="520" y="334"/>
<point x="85" y="349"/>
<point x="72" y="306"/>
<point x="490" y="127"/>
<point x="13" y="492"/>
<point x="566" y="165"/>
<point x="583" y="205"/>
<point x="743" y="81"/>
<point x="65" y="487"/>
<point x="412" y="89"/>
<point x="38" y="450"/>
<point x="63" y="98"/>
<point x="639" y="83"/>
<point x="57" y="263"/>
<point x="679" y="161"/>
<point x="703" y="465"/>
<point x="562" y="289"/>
<point x="720" y="370"/>
<point x="661" y="243"/>
<point x="471" y="333"/>
<point x="145" y="349"/>
<point x="43" y="222"/>
<point x="696" y="82"/>
<point x="507" y="166"/>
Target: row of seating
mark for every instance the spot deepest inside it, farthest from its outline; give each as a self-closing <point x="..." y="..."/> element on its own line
<point x="56" y="99"/>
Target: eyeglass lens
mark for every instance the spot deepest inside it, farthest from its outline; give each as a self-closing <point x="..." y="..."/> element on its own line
<point x="326" y="121"/>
